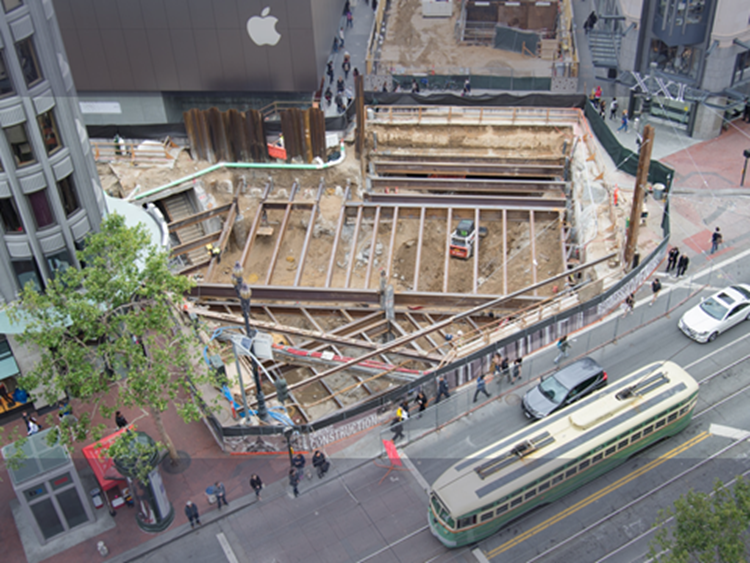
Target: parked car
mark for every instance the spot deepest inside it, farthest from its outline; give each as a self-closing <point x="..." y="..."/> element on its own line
<point x="712" y="316"/>
<point x="563" y="388"/>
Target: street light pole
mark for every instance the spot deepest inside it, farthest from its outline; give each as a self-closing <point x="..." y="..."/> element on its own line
<point x="244" y="293"/>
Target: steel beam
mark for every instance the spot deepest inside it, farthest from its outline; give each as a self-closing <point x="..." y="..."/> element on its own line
<point x="447" y="257"/>
<point x="256" y="222"/>
<point x="353" y="248"/>
<point x="528" y="187"/>
<point x="392" y="244"/>
<point x="282" y="232"/>
<point x="373" y="243"/>
<point x="475" y="273"/>
<point x="194" y="244"/>
<point x="534" y="263"/>
<point x="459" y="169"/>
<point x="337" y="237"/>
<point x="505" y="252"/>
<point x="472" y="201"/>
<point x="198" y="218"/>
<point x="418" y="260"/>
<point x="308" y="234"/>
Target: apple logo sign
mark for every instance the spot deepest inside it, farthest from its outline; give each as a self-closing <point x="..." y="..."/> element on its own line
<point x="262" y="29"/>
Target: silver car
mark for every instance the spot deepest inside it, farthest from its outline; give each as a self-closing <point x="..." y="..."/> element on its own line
<point x="730" y="306"/>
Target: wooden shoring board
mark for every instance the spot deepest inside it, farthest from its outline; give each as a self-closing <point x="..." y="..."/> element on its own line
<point x="391" y="244"/>
<point x="226" y="231"/>
<point x="420" y="239"/>
<point x="447" y="257"/>
<point x="195" y="244"/>
<point x="373" y="242"/>
<point x="282" y="231"/>
<point x="196" y="218"/>
<point x="308" y="234"/>
<point x="254" y="227"/>
<point x="337" y="237"/>
<point x="532" y="236"/>
<point x="353" y="247"/>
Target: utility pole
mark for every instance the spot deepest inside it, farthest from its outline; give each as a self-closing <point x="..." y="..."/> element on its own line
<point x="641" y="179"/>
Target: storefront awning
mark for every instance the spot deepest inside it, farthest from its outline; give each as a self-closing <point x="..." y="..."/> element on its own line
<point x="103" y="467"/>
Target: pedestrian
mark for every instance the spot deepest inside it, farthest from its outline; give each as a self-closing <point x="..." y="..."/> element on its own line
<point x="32" y="427"/>
<point x="467" y="87"/>
<point x="298" y="462"/>
<point x="746" y="111"/>
<point x="349" y="19"/>
<point x="682" y="265"/>
<point x="481" y="388"/>
<point x="598" y="91"/>
<point x="221" y="494"/>
<point x="346" y="66"/>
<point x="421" y="400"/>
<point x="30" y="419"/>
<point x="329" y="71"/>
<point x="397" y="426"/>
<point x="355" y="73"/>
<point x="716" y="240"/>
<point x="442" y="389"/>
<point x="414" y="86"/>
<point x="672" y="256"/>
<point x="655" y="289"/>
<point x="328" y="95"/>
<point x="497" y="359"/>
<point x="404" y="405"/>
<point x="191" y="511"/>
<point x="341" y="37"/>
<point x="320" y="462"/>
<point x="516" y="372"/>
<point x="335" y="44"/>
<point x="256" y="484"/>
<point x="294" y="481"/>
<point x="120" y="420"/>
<point x="347" y="7"/>
<point x="613" y="109"/>
<point x="624" y="122"/>
<point x="628" y="305"/>
<point x="340" y="85"/>
<point x="505" y="368"/>
<point x="602" y="108"/>
<point x="563" y="346"/>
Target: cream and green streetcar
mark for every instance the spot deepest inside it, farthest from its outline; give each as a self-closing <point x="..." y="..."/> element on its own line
<point x="548" y="459"/>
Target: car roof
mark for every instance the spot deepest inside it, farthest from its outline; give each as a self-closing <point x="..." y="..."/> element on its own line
<point x="578" y="371"/>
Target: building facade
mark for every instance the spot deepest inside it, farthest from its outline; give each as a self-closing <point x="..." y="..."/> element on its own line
<point x="50" y="195"/>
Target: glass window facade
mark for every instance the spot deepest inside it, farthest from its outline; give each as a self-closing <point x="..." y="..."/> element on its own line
<point x="26" y="271"/>
<point x="68" y="195"/>
<point x="48" y="127"/>
<point x="742" y="67"/>
<point x="40" y="207"/>
<point x="19" y="144"/>
<point x="682" y="60"/>
<point x="6" y="86"/>
<point x="12" y="4"/>
<point x="59" y="262"/>
<point x="32" y="73"/>
<point x="9" y="214"/>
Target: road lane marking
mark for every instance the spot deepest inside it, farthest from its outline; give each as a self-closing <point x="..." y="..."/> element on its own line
<point x="228" y="551"/>
<point x="728" y="432"/>
<point x="715" y="352"/>
<point x="414" y="471"/>
<point x="597" y="495"/>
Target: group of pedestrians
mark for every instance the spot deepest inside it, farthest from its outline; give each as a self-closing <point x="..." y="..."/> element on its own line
<point x="677" y="262"/>
<point x="343" y="95"/>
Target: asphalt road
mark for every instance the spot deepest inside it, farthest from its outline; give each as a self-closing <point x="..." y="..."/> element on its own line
<point x="351" y="516"/>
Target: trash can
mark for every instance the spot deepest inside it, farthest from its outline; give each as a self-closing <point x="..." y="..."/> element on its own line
<point x="659" y="191"/>
<point x="96" y="497"/>
<point x="210" y="495"/>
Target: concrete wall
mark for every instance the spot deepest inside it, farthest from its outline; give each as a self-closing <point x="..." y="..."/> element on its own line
<point x="732" y="20"/>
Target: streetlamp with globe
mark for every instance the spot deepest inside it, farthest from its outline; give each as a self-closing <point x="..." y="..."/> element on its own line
<point x="244" y="293"/>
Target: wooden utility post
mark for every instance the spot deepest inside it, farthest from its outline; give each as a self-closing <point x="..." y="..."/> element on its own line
<point x="641" y="179"/>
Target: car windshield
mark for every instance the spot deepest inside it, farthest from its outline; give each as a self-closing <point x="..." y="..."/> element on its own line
<point x="713" y="308"/>
<point x="553" y="390"/>
<point x="739" y="289"/>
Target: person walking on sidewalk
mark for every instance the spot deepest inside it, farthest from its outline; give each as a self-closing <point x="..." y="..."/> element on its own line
<point x="516" y="371"/>
<point x="341" y="37"/>
<point x="629" y="304"/>
<point x="674" y="254"/>
<point x="221" y="494"/>
<point x="563" y="346"/>
<point x="320" y="463"/>
<point x="716" y="240"/>
<point x="120" y="420"/>
<point x="421" y="400"/>
<point x="467" y="87"/>
<point x="349" y="19"/>
<point x="397" y="426"/>
<point x="191" y="511"/>
<point x="442" y="389"/>
<point x="624" y="122"/>
<point x="613" y="109"/>
<point x="682" y="265"/>
<point x="256" y="484"/>
<point x="481" y="388"/>
<point x="298" y="462"/>
<point x="329" y="71"/>
<point x="505" y="368"/>
<point x="294" y="481"/>
<point x="655" y="289"/>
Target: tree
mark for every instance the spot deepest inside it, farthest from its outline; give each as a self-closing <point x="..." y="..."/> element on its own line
<point x="113" y="324"/>
<point x="708" y="527"/>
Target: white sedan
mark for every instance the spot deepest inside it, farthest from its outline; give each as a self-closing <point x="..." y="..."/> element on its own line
<point x="730" y="306"/>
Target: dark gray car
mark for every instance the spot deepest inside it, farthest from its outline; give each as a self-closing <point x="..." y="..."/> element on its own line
<point x="564" y="387"/>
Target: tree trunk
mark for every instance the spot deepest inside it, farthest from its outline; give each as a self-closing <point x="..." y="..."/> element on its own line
<point x="166" y="440"/>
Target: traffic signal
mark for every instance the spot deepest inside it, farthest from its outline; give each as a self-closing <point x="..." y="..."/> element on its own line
<point x="282" y="390"/>
<point x="646" y="106"/>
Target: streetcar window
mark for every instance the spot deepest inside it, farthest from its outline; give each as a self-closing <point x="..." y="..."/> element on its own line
<point x="516" y="501"/>
<point x="596" y="458"/>
<point x="672" y="417"/>
<point x="468" y="521"/>
<point x="529" y="494"/>
<point x="570" y="472"/>
<point x="503" y="508"/>
<point x="486" y="516"/>
<point x="683" y="410"/>
<point x="584" y="464"/>
<point x="610" y="451"/>
<point x="635" y="437"/>
<point x="557" y="478"/>
<point x="544" y="486"/>
<point x="660" y="423"/>
<point x="648" y="429"/>
<point x="622" y="444"/>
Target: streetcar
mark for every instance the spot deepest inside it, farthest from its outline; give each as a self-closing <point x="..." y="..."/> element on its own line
<point x="550" y="458"/>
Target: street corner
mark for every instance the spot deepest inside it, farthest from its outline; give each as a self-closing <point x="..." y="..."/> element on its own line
<point x="699" y="242"/>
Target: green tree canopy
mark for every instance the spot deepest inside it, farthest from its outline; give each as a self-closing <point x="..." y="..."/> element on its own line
<point x="707" y="527"/>
<point x="112" y="328"/>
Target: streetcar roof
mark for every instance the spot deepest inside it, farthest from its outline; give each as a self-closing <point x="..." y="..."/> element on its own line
<point x="505" y="466"/>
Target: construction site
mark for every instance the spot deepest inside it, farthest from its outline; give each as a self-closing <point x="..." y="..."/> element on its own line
<point x="458" y="226"/>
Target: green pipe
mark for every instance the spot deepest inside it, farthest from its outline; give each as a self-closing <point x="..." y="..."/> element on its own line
<point x="251" y="165"/>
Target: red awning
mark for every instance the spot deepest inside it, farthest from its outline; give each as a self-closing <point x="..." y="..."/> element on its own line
<point x="103" y="467"/>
